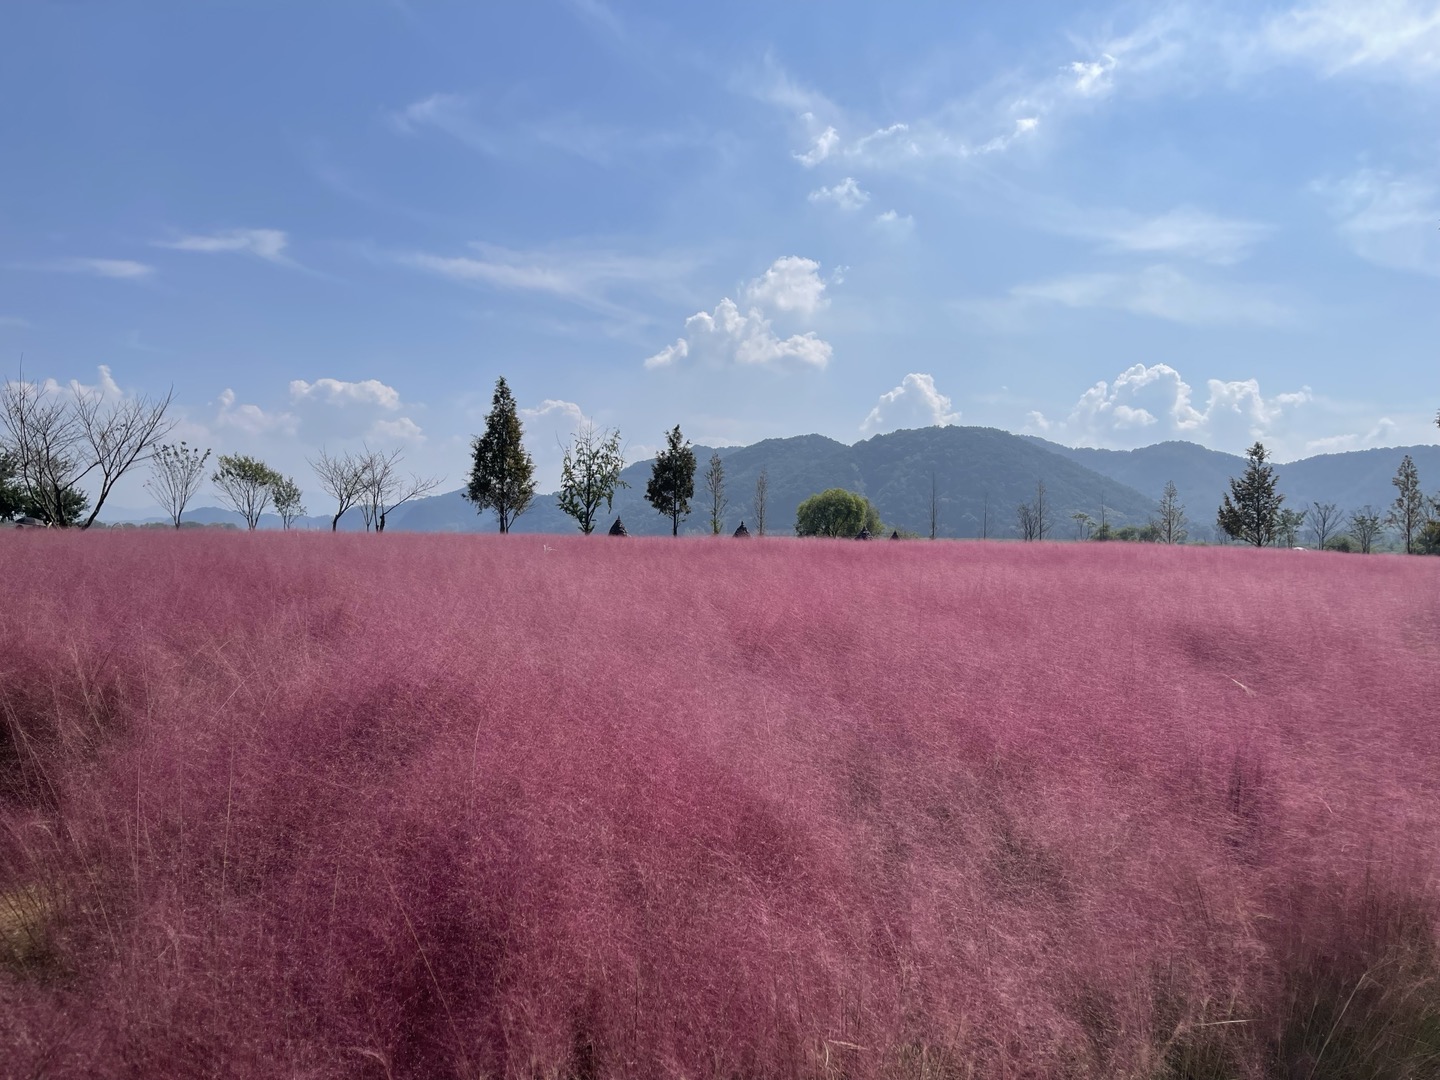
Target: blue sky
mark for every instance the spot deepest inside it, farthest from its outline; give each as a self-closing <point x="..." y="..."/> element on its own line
<point x="331" y="221"/>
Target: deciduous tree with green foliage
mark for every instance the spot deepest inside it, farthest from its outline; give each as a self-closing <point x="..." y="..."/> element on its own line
<point x="286" y="494"/>
<point x="590" y="475"/>
<point x="836" y="512"/>
<point x="1251" y="510"/>
<point x="672" y="480"/>
<point x="715" y="490"/>
<point x="502" y="473"/>
<point x="245" y="485"/>
<point x="1407" y="512"/>
<point x="176" y="473"/>
<point x="12" y="494"/>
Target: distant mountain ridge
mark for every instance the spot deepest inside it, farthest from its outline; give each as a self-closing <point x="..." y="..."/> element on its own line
<point x="980" y="476"/>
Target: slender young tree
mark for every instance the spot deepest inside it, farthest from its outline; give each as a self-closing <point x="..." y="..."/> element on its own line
<point x="934" y="507"/>
<point x="342" y="478"/>
<point x="1407" y="512"/>
<point x="1251" y="510"/>
<point x="672" y="480"/>
<point x="502" y="473"/>
<point x="1287" y="529"/>
<point x="245" y="485"/>
<point x="383" y="489"/>
<point x="1170" y="525"/>
<point x="715" y="493"/>
<point x="762" y="494"/>
<point x="590" y="475"/>
<point x="1365" y="525"/>
<point x="176" y="473"/>
<point x="286" y="495"/>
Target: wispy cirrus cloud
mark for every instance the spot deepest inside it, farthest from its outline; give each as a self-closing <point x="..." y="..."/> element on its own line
<point x="1385" y="39"/>
<point x="847" y="195"/>
<point x="1387" y="218"/>
<point x="115" y="269"/>
<point x="1184" y="231"/>
<point x="1160" y="292"/>
<point x="267" y="244"/>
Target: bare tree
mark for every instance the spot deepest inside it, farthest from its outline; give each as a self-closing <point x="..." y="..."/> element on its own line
<point x="1025" y="520"/>
<point x="1324" y="522"/>
<point x="1170" y="525"/>
<point x="58" y="441"/>
<point x="715" y="489"/>
<point x="985" y="517"/>
<point x="384" y="489"/>
<point x="1365" y="525"/>
<point x="762" y="492"/>
<point x="176" y="473"/>
<point x="342" y="478"/>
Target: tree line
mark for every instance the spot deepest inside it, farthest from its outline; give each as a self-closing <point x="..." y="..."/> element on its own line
<point x="1253" y="512"/>
<point x="51" y="443"/>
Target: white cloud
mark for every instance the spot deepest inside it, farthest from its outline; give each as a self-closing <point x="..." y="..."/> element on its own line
<point x="120" y="269"/>
<point x="1393" y="39"/>
<point x="251" y="419"/>
<point x="1092" y="78"/>
<point x="401" y="429"/>
<point x="895" y="223"/>
<point x="847" y="195"/>
<point x="553" y="410"/>
<point x="268" y="244"/>
<point x="340" y="392"/>
<point x="914" y="403"/>
<point x="821" y="147"/>
<point x="1161" y="292"/>
<point x="1385" y="432"/>
<point x="792" y="283"/>
<point x="1151" y="404"/>
<point x="729" y="336"/>
<point x="1184" y="231"/>
<point x="1387" y="219"/>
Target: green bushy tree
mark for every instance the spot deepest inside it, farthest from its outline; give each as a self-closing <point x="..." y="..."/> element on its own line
<point x="672" y="480"/>
<point x="590" y="475"/>
<point x="836" y="512"/>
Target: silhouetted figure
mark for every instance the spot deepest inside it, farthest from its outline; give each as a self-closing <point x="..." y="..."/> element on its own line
<point x="863" y="534"/>
<point x="895" y="535"/>
<point x="618" y="529"/>
<point x="742" y="531"/>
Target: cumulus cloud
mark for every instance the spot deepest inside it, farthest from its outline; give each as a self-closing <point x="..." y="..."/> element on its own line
<point x="822" y="146"/>
<point x="914" y="403"/>
<point x="1385" y="432"/>
<point x="791" y="287"/>
<point x="400" y="429"/>
<point x="252" y="419"/>
<point x="728" y="335"/>
<point x="1148" y="404"/>
<point x="340" y="392"/>
<point x="1160" y="292"/>
<point x="847" y="195"/>
<point x="566" y="414"/>
<point x="1387" y="219"/>
<point x="791" y="284"/>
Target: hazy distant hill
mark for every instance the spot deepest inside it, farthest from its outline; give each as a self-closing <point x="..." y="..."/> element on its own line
<point x="980" y="476"/>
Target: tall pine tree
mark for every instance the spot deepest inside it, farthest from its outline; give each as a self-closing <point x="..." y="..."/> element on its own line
<point x="1251" y="511"/>
<point x="672" y="480"/>
<point x="502" y="476"/>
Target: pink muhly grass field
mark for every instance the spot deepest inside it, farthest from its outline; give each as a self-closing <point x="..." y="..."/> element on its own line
<point x="438" y="806"/>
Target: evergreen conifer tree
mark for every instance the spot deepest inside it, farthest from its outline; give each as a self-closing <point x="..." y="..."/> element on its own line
<point x="1251" y="511"/>
<point x="502" y="476"/>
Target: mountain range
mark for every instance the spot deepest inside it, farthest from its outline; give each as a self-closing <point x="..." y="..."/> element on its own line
<point x="979" y="477"/>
